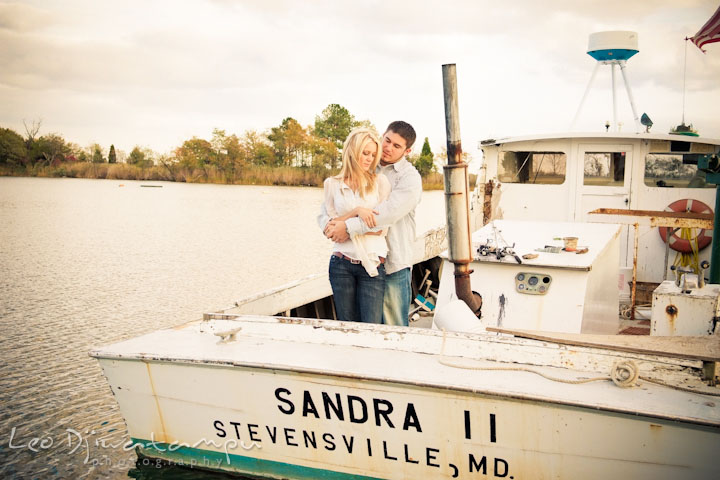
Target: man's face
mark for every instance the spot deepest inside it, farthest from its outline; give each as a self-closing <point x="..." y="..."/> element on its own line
<point x="394" y="147"/>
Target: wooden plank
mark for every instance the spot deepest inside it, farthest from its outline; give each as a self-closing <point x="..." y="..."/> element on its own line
<point x="697" y="348"/>
<point x="653" y="218"/>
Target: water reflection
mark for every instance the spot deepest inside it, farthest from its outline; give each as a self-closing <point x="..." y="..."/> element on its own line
<point x="87" y="262"/>
<point x="150" y="469"/>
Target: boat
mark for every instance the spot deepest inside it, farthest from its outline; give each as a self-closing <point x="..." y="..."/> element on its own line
<point x="639" y="172"/>
<point x="653" y="184"/>
<point x="279" y="397"/>
<point x="299" y="395"/>
<point x="614" y="176"/>
<point x="577" y="173"/>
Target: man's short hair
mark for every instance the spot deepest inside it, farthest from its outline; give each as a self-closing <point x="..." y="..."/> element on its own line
<point x="405" y="130"/>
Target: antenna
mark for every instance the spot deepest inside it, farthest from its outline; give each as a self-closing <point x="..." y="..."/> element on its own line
<point x="684" y="77"/>
<point x="612" y="48"/>
<point x="683" y="129"/>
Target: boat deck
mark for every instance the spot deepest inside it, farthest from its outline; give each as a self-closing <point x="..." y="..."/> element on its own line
<point x="429" y="358"/>
<point x="638" y="326"/>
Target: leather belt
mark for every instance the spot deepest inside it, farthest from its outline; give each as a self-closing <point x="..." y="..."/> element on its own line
<point x="352" y="260"/>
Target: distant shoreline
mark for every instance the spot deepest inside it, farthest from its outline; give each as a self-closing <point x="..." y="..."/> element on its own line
<point x="251" y="175"/>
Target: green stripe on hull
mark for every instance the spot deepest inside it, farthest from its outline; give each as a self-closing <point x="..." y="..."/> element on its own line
<point x="211" y="460"/>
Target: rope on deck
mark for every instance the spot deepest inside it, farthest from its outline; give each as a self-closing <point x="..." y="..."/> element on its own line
<point x="624" y="374"/>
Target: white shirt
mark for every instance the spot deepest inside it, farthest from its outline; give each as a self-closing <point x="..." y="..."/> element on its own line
<point x="339" y="200"/>
<point x="397" y="213"/>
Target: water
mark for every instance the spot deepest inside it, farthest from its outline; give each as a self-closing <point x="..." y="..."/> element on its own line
<point x="89" y="262"/>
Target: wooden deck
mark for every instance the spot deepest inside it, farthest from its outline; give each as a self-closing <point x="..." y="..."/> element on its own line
<point x="697" y="348"/>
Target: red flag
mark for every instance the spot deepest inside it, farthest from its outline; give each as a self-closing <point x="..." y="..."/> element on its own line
<point x="709" y="33"/>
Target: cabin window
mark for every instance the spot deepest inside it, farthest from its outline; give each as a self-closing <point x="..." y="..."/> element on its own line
<point x="604" y="169"/>
<point x="674" y="170"/>
<point x="674" y="146"/>
<point x="532" y="167"/>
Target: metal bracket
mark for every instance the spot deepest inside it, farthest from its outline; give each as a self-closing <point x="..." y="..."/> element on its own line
<point x="228" y="335"/>
<point x="710" y="373"/>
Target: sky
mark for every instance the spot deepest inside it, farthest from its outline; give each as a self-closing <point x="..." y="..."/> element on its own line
<point x="155" y="73"/>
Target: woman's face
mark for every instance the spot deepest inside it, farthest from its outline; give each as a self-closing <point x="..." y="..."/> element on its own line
<point x="367" y="155"/>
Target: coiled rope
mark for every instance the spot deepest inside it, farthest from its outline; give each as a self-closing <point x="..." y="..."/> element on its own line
<point x="624" y="374"/>
<point x="692" y="258"/>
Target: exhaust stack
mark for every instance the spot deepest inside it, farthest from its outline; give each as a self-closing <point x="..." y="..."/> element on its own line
<point x="457" y="198"/>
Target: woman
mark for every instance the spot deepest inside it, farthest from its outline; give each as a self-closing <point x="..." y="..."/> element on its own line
<point x="357" y="273"/>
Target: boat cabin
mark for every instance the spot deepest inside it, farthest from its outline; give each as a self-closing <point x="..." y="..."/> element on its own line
<point x="562" y="177"/>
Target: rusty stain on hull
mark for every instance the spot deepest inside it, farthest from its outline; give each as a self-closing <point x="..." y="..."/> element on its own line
<point x="501" y="314"/>
<point x="672" y="313"/>
<point x="162" y="436"/>
<point x="487" y="202"/>
<point x="663" y="218"/>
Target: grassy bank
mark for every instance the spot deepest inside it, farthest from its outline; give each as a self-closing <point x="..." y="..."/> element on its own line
<point x="251" y="175"/>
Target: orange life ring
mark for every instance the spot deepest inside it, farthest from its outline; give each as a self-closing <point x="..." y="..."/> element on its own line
<point x="681" y="244"/>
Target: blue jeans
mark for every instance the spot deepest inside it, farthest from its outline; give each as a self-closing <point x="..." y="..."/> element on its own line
<point x="358" y="296"/>
<point x="396" y="306"/>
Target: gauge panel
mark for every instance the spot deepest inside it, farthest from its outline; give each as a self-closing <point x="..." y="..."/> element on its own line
<point x="532" y="283"/>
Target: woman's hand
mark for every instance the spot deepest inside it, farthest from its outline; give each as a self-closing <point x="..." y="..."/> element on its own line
<point x="336" y="231"/>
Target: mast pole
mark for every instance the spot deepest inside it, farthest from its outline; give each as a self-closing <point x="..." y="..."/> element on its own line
<point x="684" y="77"/>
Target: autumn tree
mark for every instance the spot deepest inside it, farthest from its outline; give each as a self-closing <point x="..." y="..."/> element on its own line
<point x="334" y="123"/>
<point x="256" y="149"/>
<point x="170" y="163"/>
<point x="97" y="154"/>
<point x="235" y="152"/>
<point x="289" y="141"/>
<point x="323" y="153"/>
<point x="12" y="147"/>
<point x="196" y="153"/>
<point x="229" y="155"/>
<point x="31" y="132"/>
<point x="366" y="124"/>
<point x="140" y="157"/>
<point x="136" y="156"/>
<point x="49" y="149"/>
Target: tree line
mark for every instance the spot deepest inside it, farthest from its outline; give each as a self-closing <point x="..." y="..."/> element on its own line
<point x="285" y="154"/>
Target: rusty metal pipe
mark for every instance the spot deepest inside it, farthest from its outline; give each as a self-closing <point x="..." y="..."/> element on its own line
<point x="457" y="198"/>
<point x="634" y="272"/>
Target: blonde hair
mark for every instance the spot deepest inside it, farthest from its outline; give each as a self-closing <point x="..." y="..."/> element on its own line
<point x="351" y="172"/>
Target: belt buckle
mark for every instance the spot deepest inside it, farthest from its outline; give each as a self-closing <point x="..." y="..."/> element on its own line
<point x="353" y="261"/>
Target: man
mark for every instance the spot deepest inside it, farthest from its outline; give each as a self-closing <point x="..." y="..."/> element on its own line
<point x="398" y="214"/>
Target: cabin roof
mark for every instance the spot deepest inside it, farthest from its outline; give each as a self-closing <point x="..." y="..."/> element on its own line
<point x="625" y="136"/>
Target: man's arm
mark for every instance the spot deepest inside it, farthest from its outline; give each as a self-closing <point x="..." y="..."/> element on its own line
<point x="403" y="198"/>
<point x="323" y="218"/>
<point x="327" y="210"/>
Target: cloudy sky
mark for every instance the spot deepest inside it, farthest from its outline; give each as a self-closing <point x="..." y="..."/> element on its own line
<point x="154" y="73"/>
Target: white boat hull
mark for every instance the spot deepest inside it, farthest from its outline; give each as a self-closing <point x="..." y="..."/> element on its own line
<point x="263" y="417"/>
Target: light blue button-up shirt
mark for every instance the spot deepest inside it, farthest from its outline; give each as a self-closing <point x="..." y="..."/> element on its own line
<point x="397" y="213"/>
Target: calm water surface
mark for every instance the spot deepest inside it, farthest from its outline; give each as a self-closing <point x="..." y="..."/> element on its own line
<point x="89" y="262"/>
